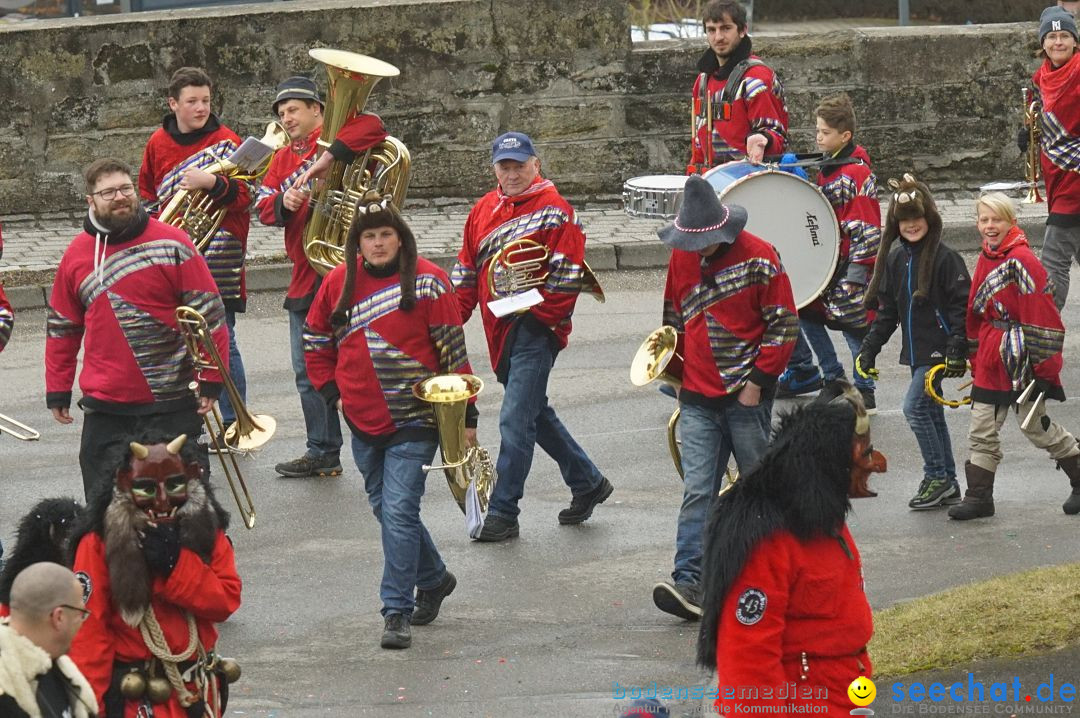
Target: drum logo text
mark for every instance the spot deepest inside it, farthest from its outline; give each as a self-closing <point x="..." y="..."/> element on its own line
<point x="813" y="226"/>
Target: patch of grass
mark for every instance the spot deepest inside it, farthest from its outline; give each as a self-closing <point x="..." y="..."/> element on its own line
<point x="1015" y="615"/>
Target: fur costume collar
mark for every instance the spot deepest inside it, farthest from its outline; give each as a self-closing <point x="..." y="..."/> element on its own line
<point x="21" y="662"/>
<point x="800" y="485"/>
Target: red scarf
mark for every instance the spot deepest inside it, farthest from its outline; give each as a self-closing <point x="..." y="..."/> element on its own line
<point x="538" y="185"/>
<point x="1055" y="81"/>
<point x="1015" y="237"/>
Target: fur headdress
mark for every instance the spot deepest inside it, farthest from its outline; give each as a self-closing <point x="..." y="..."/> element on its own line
<point x="372" y="211"/>
<point x="42" y="536"/>
<point x="118" y="521"/>
<point x="910" y="199"/>
<point x="801" y="485"/>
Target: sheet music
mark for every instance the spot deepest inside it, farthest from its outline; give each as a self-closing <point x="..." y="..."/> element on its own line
<point x="250" y="154"/>
<point x="515" y="303"/>
<point x="474" y="519"/>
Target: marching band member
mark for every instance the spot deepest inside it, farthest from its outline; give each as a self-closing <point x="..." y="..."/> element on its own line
<point x="750" y="117"/>
<point x="283" y="202"/>
<point x="784" y="598"/>
<point x="190" y="138"/>
<point x="119" y="284"/>
<point x="373" y="332"/>
<point x="730" y="301"/>
<point x="523" y="346"/>
<point x="158" y="572"/>
<point x="7" y="317"/>
<point x="1057" y="90"/>
<point x="1016" y="337"/>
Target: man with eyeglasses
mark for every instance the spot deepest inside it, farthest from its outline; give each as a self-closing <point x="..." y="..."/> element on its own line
<point x="37" y="678"/>
<point x="115" y="295"/>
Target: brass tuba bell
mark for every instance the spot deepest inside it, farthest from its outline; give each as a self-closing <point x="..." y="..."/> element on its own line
<point x="385" y="167"/>
<point x="522" y="264"/>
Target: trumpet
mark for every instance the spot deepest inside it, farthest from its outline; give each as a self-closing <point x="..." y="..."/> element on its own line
<point x="931" y="384"/>
<point x="17" y="429"/>
<point x="247" y="433"/>
<point x="1032" y="171"/>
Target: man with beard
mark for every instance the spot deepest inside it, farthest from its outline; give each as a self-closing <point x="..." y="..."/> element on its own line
<point x="191" y="139"/>
<point x="158" y="573"/>
<point x="749" y="116"/>
<point x="118" y="285"/>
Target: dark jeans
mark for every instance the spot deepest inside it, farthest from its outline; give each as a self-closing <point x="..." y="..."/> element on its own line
<point x="236" y="373"/>
<point x="106" y="436"/>
<point x="816" y="336"/>
<point x="927" y="421"/>
<point x="527" y="420"/>
<point x="321" y="421"/>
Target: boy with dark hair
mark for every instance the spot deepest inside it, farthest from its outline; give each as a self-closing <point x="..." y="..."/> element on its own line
<point x="852" y="191"/>
<point x="190" y="139"/>
<point x="749" y="116"/>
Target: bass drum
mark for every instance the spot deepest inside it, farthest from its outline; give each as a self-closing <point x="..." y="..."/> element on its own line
<point x="789" y="213"/>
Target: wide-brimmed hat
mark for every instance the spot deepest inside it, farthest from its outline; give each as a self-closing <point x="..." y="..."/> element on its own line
<point x="703" y="220"/>
<point x="296" y="88"/>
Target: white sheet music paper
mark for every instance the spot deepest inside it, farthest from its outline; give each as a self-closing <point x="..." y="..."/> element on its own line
<point x="474" y="519"/>
<point x="250" y="154"/>
<point x="515" y="303"/>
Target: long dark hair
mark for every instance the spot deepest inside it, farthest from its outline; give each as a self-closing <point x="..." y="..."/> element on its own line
<point x="374" y="210"/>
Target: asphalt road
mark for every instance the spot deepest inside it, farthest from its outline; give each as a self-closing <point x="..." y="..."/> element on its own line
<point x="553" y="622"/>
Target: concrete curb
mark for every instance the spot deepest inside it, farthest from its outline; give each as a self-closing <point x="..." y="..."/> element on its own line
<point x="602" y="257"/>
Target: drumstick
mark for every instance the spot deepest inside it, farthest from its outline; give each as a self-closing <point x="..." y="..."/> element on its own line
<point x="1025" y="394"/>
<point x="708" y="115"/>
<point x="1031" y="414"/>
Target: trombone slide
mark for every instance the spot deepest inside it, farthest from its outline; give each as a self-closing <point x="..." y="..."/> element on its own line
<point x="7" y="424"/>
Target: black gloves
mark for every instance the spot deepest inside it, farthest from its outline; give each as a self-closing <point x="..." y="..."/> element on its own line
<point x="1023" y="137"/>
<point x="161" y="548"/>
<point x="864" y="363"/>
<point x="955" y="361"/>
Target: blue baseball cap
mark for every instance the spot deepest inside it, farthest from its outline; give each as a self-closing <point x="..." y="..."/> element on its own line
<point x="512" y="146"/>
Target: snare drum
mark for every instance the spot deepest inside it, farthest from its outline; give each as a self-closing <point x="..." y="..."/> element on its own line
<point x="789" y="213"/>
<point x="653" y="196"/>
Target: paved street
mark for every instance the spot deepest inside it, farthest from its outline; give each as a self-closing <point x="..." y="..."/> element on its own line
<point x="546" y="624"/>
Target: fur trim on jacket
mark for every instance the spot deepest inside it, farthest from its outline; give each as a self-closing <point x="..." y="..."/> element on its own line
<point x="22" y="662"/>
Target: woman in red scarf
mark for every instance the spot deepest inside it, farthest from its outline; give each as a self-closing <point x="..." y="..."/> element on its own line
<point x="1015" y="335"/>
<point x="1057" y="90"/>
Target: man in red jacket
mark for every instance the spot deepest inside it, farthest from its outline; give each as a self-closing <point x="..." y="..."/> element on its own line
<point x="190" y="139"/>
<point x="749" y="116"/>
<point x="283" y="202"/>
<point x="158" y="572"/>
<point x="523" y="344"/>
<point x="115" y="294"/>
<point x="730" y="301"/>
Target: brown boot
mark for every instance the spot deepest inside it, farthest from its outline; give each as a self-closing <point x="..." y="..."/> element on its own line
<point x="1071" y="467"/>
<point x="979" y="500"/>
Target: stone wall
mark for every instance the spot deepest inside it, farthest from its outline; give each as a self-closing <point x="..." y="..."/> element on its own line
<point x="946" y="11"/>
<point x="941" y="101"/>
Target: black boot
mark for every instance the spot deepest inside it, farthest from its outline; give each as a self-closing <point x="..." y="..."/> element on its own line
<point x="979" y="500"/>
<point x="1071" y="467"/>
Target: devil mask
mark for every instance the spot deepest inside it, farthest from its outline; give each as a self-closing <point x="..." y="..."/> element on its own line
<point x="157" y="479"/>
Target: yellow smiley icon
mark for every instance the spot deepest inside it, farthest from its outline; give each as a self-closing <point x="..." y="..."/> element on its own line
<point x="862" y="691"/>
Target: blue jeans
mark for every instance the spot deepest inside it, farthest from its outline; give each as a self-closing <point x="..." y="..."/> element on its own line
<point x="709" y="438"/>
<point x="816" y="336"/>
<point x="927" y="421"/>
<point x="394" y="482"/>
<point x="526" y="420"/>
<point x="320" y="420"/>
<point x="236" y="372"/>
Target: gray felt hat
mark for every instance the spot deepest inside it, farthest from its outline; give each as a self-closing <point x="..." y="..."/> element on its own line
<point x="703" y="220"/>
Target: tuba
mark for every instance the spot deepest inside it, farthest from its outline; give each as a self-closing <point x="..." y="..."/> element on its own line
<point x="385" y="167"/>
<point x="522" y="264"/>
<point x="248" y="432"/>
<point x="468" y="469"/>
<point x="194" y="212"/>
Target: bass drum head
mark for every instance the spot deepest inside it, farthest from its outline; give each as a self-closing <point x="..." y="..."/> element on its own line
<point x="789" y="213"/>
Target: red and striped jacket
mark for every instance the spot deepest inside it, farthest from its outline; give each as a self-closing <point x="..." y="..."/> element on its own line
<point x="134" y="358"/>
<point x="735" y="317"/>
<point x="1058" y="92"/>
<point x="372" y="362"/>
<point x="1013" y="324"/>
<point x="541" y="214"/>
<point x="7" y="314"/>
<point x="168" y="154"/>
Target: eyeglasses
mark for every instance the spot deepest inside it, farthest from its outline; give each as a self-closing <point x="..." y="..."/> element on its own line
<point x="110" y="194"/>
<point x="84" y="611"/>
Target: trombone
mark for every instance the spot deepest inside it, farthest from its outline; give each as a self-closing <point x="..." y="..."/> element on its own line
<point x="248" y="432"/>
<point x="17" y="429"/>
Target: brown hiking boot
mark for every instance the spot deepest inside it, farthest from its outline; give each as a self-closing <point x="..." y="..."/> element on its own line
<point x="1071" y="467"/>
<point x="979" y="500"/>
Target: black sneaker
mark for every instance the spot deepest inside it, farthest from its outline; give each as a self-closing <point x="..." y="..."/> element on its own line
<point x="429" y="601"/>
<point x="868" y="401"/>
<point x="308" y="465"/>
<point x="581" y="507"/>
<point x="679" y="599"/>
<point x="224" y="448"/>
<point x="791" y="384"/>
<point x="396" y="632"/>
<point x="931" y="493"/>
<point x="956" y="495"/>
<point x="496" y="528"/>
